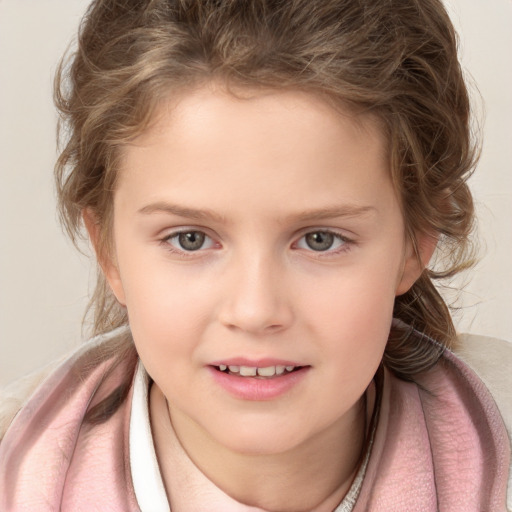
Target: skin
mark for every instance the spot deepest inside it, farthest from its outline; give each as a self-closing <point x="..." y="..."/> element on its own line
<point x="256" y="174"/>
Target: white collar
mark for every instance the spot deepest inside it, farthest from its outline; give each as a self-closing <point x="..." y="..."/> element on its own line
<point x="146" y="477"/>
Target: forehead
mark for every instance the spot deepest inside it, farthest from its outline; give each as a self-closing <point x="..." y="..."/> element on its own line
<point x="214" y="102"/>
<point x="214" y="146"/>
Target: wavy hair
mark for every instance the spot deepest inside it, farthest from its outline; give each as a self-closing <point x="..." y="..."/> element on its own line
<point x="394" y="58"/>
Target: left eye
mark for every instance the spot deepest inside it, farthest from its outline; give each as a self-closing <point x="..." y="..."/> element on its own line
<point x="321" y="241"/>
<point x="190" y="241"/>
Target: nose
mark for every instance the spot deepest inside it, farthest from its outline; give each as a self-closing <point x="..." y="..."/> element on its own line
<point x="257" y="300"/>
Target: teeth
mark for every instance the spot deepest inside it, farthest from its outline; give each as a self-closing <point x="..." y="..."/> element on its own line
<point x="279" y="370"/>
<point x="247" y="371"/>
<point x="252" y="371"/>
<point x="269" y="371"/>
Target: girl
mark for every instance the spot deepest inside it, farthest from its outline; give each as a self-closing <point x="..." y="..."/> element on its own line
<point x="264" y="184"/>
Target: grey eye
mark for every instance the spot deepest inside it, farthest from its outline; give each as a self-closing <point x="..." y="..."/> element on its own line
<point x="319" y="240"/>
<point x="191" y="240"/>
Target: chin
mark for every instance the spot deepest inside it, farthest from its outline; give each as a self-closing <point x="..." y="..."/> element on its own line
<point x="260" y="447"/>
<point x="260" y="439"/>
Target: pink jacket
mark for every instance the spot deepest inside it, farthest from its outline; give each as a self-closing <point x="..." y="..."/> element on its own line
<point x="439" y="445"/>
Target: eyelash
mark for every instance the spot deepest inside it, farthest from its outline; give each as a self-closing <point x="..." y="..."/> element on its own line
<point x="346" y="243"/>
<point x="166" y="242"/>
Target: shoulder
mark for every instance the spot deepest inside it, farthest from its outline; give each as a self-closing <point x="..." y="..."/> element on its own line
<point x="491" y="360"/>
<point x="15" y="395"/>
<point x="73" y="430"/>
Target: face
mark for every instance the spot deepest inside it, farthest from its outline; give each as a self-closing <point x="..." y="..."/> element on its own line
<point x="254" y="234"/>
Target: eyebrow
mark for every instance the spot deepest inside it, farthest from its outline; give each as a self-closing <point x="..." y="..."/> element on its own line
<point x="334" y="212"/>
<point x="182" y="211"/>
<point x="316" y="214"/>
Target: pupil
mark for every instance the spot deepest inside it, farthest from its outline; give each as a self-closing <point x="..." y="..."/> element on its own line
<point x="191" y="241"/>
<point x="320" y="241"/>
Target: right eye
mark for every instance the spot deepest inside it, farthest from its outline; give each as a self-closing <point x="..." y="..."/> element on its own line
<point x="189" y="241"/>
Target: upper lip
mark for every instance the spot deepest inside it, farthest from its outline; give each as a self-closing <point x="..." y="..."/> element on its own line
<point x="255" y="363"/>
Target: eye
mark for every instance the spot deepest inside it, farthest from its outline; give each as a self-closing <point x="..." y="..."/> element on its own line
<point x="189" y="241"/>
<point x="322" y="241"/>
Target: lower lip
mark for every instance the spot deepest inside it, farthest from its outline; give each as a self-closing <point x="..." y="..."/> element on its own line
<point x="252" y="388"/>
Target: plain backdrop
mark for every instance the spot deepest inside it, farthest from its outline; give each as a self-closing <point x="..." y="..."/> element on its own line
<point x="44" y="281"/>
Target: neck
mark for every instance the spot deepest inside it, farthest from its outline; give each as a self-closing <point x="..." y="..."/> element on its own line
<point x="313" y="476"/>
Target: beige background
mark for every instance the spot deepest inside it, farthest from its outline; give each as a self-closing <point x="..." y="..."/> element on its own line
<point x="44" y="281"/>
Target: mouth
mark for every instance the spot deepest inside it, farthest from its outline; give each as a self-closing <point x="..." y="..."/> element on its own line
<point x="258" y="380"/>
<point x="267" y="372"/>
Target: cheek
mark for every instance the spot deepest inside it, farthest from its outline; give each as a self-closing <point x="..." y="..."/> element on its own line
<point x="351" y="296"/>
<point x="167" y="307"/>
<point x="352" y="313"/>
<point x="157" y="289"/>
<point x="166" y="312"/>
<point x="356" y="329"/>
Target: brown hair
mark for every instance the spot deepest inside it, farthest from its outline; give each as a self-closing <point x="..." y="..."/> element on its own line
<point x="394" y="58"/>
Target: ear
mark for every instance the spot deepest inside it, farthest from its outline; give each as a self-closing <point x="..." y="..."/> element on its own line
<point x="105" y="259"/>
<point x="416" y="259"/>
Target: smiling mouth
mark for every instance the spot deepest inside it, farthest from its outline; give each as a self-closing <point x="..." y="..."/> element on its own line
<point x="267" y="372"/>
